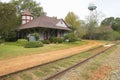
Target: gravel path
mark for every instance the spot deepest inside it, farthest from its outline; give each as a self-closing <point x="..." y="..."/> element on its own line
<point x="20" y="63"/>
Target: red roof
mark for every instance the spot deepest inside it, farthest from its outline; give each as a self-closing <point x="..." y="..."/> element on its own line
<point x="44" y="22"/>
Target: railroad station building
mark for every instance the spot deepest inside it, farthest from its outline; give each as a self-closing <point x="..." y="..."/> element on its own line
<point x="44" y="25"/>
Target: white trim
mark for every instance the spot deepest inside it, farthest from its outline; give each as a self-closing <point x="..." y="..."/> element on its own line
<point x="23" y="17"/>
<point x="23" y="22"/>
<point x="61" y="23"/>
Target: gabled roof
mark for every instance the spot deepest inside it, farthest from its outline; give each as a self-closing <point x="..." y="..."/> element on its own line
<point x="44" y="22"/>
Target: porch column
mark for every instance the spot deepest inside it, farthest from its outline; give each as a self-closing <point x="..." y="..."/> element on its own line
<point x="59" y="33"/>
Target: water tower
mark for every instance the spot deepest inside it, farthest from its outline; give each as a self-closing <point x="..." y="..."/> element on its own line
<point x="92" y="7"/>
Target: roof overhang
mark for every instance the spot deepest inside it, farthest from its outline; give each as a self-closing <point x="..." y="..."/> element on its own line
<point x="59" y="28"/>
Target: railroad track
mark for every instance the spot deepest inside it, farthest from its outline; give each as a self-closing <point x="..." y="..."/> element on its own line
<point x="57" y="75"/>
<point x="47" y="63"/>
<point x="99" y="50"/>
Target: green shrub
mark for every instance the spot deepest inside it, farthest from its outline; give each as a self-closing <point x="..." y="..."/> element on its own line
<point x="60" y="40"/>
<point x="36" y="35"/>
<point x="70" y="37"/>
<point x="109" y="35"/>
<point x="22" y="42"/>
<point x="10" y="37"/>
<point x="45" y="41"/>
<point x="116" y="35"/>
<point x="1" y="41"/>
<point x="56" y="40"/>
<point x="52" y="39"/>
<point x="33" y="44"/>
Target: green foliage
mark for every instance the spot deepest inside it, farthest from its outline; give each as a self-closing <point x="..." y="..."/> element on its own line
<point x="110" y="35"/>
<point x="22" y="42"/>
<point x="107" y="21"/>
<point x="92" y="21"/>
<point x="59" y="40"/>
<point x="10" y="37"/>
<point x="45" y="41"/>
<point x="56" y="40"/>
<point x="21" y="5"/>
<point x="113" y="22"/>
<point x="72" y="20"/>
<point x="91" y="28"/>
<point x="37" y="35"/>
<point x="1" y="41"/>
<point x="33" y="44"/>
<point x="7" y="17"/>
<point x="32" y="5"/>
<point x="82" y="30"/>
<point x="116" y="25"/>
<point x="109" y="30"/>
<point x="114" y="35"/>
<point x="71" y="37"/>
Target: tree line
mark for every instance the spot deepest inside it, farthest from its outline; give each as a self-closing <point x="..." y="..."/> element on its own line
<point x="108" y="29"/>
<point x="10" y="15"/>
<point x="10" y="19"/>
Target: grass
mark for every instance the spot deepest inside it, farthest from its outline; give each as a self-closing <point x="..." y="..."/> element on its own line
<point x="39" y="73"/>
<point x="85" y="76"/>
<point x="25" y="76"/>
<point x="49" y="69"/>
<point x="95" y="64"/>
<point x="52" y="68"/>
<point x="10" y="78"/>
<point x="10" y="50"/>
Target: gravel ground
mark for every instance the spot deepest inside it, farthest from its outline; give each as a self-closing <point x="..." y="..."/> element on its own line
<point x="103" y="67"/>
<point x="114" y="62"/>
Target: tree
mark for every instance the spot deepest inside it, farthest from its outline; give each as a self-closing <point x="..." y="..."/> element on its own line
<point x="81" y="30"/>
<point x="72" y="20"/>
<point x="116" y="25"/>
<point x="107" y="21"/>
<point x="92" y="23"/>
<point x="107" y="29"/>
<point x="75" y="24"/>
<point x="33" y="6"/>
<point x="7" y="17"/>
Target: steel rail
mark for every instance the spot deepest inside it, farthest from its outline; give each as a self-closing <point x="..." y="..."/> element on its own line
<point x="49" y="78"/>
<point x="79" y="64"/>
<point x="48" y="62"/>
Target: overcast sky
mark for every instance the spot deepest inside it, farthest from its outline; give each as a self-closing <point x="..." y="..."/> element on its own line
<point x="60" y="8"/>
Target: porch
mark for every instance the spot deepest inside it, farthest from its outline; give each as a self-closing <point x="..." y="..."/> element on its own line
<point x="45" y="33"/>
